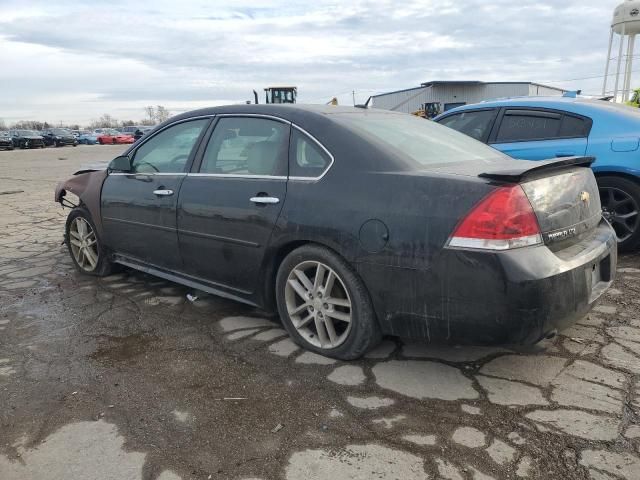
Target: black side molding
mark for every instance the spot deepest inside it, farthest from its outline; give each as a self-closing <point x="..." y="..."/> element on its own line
<point x="540" y="167"/>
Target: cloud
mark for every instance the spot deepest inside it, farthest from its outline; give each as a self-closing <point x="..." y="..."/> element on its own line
<point x="74" y="60"/>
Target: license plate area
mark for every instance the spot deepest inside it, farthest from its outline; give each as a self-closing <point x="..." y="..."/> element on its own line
<point x="600" y="273"/>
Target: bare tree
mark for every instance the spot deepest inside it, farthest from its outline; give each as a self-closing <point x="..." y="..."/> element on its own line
<point x="162" y="114"/>
<point x="151" y="113"/>
<point x="3" y="126"/>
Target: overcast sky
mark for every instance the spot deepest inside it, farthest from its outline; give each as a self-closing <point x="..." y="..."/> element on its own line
<point x="72" y="61"/>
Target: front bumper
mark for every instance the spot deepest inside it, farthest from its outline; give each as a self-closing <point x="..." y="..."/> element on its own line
<point x="486" y="298"/>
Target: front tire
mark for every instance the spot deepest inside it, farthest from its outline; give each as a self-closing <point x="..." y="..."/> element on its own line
<point x="324" y="305"/>
<point x="620" y="199"/>
<point x="86" y="249"/>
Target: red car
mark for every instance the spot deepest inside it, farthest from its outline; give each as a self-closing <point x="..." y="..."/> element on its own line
<point x="112" y="137"/>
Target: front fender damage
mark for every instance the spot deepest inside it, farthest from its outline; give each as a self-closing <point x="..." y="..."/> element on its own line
<point x="86" y="185"/>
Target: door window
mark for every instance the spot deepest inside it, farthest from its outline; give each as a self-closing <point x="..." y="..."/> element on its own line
<point x="307" y="158"/>
<point x="522" y="125"/>
<point x="247" y="146"/>
<point x="169" y="150"/>
<point x="574" y="127"/>
<point x="476" y="124"/>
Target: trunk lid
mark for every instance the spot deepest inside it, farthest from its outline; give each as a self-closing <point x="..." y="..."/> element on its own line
<point x="567" y="204"/>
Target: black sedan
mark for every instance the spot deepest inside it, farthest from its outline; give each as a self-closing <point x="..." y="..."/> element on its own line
<point x="59" y="137"/>
<point x="26" y="139"/>
<point x="6" y="143"/>
<point x="351" y="223"/>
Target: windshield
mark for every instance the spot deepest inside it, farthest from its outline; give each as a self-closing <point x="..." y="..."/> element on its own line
<point x="423" y="141"/>
<point x="27" y="133"/>
<point x="60" y="131"/>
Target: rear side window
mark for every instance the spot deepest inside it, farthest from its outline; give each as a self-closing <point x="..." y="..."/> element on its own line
<point x="247" y="146"/>
<point x="527" y="125"/>
<point x="574" y="127"/>
<point x="517" y="126"/>
<point x="306" y="158"/>
<point x="476" y="124"/>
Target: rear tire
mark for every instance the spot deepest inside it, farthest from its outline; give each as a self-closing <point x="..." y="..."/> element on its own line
<point x="330" y="312"/>
<point x="85" y="247"/>
<point x="620" y="198"/>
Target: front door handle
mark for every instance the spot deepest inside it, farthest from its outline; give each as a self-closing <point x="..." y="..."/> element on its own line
<point x="163" y="193"/>
<point x="265" y="200"/>
<point x="565" y="154"/>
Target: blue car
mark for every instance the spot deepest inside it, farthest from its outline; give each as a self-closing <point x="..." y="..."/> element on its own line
<point x="88" y="138"/>
<point x="538" y="128"/>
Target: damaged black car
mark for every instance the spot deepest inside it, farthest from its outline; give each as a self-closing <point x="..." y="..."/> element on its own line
<point x="351" y="224"/>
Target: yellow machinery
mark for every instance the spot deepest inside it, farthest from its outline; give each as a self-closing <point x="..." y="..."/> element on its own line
<point x="278" y="95"/>
<point x="428" y="110"/>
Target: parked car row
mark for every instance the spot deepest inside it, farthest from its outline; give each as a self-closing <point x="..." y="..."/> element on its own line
<point x="60" y="137"/>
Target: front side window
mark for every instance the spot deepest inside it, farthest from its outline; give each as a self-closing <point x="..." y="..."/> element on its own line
<point x="476" y="124"/>
<point x="169" y="150"/>
<point x="519" y="125"/>
<point x="247" y="146"/>
<point x="306" y="158"/>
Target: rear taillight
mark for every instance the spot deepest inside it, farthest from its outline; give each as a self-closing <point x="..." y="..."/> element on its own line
<point x="502" y="220"/>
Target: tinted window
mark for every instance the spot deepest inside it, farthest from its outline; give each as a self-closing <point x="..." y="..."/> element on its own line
<point x="422" y="141"/>
<point x="169" y="150"/>
<point x="307" y="158"/>
<point x="573" y="127"/>
<point x="475" y="124"/>
<point x="247" y="146"/>
<point x="519" y="125"/>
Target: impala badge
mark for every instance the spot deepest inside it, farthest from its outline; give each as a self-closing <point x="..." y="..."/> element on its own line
<point x="584" y="197"/>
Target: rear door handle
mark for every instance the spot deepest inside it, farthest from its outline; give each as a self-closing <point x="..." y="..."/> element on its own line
<point x="565" y="154"/>
<point x="163" y="193"/>
<point x="265" y="200"/>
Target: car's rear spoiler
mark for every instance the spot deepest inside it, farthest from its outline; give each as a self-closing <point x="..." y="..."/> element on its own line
<point x="532" y="169"/>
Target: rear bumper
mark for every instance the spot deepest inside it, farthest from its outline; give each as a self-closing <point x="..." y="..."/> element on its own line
<point x="513" y="297"/>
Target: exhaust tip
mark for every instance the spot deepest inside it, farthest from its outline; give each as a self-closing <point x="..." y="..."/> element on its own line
<point x="551" y="334"/>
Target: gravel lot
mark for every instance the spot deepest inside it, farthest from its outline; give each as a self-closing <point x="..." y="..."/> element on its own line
<point x="124" y="378"/>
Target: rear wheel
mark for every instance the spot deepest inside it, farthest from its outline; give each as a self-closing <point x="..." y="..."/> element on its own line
<point x="324" y="305"/>
<point x="86" y="249"/>
<point x="620" y="199"/>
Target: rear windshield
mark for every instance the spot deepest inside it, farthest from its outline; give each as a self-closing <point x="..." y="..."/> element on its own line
<point x="423" y="141"/>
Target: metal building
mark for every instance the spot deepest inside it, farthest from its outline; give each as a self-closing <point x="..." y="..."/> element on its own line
<point x="446" y="95"/>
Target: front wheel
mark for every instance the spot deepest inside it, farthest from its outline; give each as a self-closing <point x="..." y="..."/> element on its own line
<point x="87" y="252"/>
<point x="620" y="199"/>
<point x="324" y="305"/>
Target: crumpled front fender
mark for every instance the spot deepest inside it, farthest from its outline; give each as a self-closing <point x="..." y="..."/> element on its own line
<point x="87" y="186"/>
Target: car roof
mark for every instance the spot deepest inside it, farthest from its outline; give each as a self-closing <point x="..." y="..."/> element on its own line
<point x="570" y="104"/>
<point x="286" y="111"/>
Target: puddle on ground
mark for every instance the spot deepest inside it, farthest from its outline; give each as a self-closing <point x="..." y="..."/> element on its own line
<point x="121" y="349"/>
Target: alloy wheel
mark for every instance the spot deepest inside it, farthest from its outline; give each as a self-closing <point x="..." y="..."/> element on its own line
<point x="84" y="244"/>
<point x="318" y="304"/>
<point x="621" y="210"/>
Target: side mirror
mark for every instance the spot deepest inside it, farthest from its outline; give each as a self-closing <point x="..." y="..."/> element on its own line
<point x="120" y="164"/>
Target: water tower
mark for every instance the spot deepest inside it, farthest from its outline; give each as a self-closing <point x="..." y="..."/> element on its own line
<point x="626" y="23"/>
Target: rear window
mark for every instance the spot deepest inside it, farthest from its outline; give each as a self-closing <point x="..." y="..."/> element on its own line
<point x="423" y="141"/>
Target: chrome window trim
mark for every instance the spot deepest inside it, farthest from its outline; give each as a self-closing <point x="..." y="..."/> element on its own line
<point x="231" y="175"/>
<point x="154" y="174"/>
<point x="317" y="142"/>
<point x="258" y="115"/>
<point x="237" y="175"/>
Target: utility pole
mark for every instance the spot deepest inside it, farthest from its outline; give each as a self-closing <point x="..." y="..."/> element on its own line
<point x="353" y="93"/>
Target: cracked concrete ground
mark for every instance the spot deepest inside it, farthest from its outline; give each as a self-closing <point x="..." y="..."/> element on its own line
<point x="123" y="378"/>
